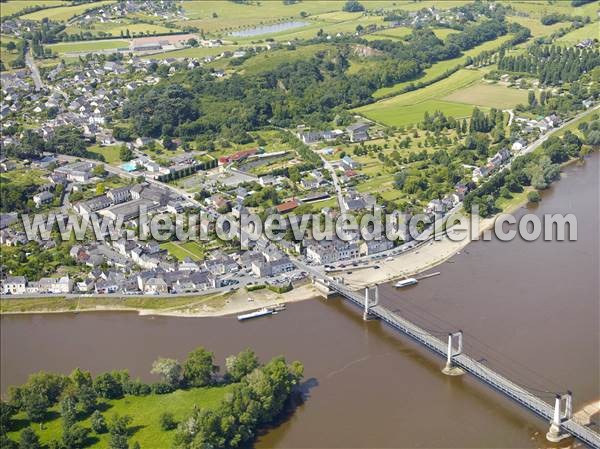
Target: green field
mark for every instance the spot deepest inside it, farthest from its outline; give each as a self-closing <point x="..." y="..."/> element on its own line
<point x="392" y="33"/>
<point x="489" y="95"/>
<point x="590" y="31"/>
<point x="268" y="60"/>
<point x="65" y="12"/>
<point x="536" y="27"/>
<point x="145" y="412"/>
<point x="88" y="46"/>
<point x="16" y="6"/>
<point x="115" y="29"/>
<point x="111" y="153"/>
<point x="441" y="67"/>
<point x="181" y="251"/>
<point x="539" y="8"/>
<point x="409" y="108"/>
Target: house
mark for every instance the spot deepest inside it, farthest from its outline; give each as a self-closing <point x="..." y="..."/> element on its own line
<point x="330" y="251"/>
<point x="369" y="247"/>
<point x="518" y="145"/>
<point x="55" y="285"/>
<point x="156" y="286"/>
<point x="42" y="198"/>
<point x="76" y="171"/>
<point x="358" y="132"/>
<point x="14" y="285"/>
<point x="349" y="163"/>
<point x="286" y="207"/>
<point x="119" y="195"/>
<point x="95" y="204"/>
<point x="274" y="268"/>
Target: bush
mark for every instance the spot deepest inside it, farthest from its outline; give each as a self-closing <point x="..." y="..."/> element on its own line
<point x="251" y="288"/>
<point x="137" y="388"/>
<point x="162" y="388"/>
<point x="534" y="197"/>
<point x="167" y="421"/>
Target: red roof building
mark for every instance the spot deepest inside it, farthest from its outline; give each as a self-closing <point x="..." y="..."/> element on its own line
<point x="286" y="207"/>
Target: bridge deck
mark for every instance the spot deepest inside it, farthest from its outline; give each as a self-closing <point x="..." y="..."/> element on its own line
<point x="478" y="370"/>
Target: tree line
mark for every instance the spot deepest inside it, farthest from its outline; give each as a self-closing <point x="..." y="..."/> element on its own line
<point x="258" y="396"/>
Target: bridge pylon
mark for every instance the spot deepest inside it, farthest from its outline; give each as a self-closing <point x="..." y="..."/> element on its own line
<point x="368" y="303"/>
<point x="555" y="434"/>
<point x="451" y="369"/>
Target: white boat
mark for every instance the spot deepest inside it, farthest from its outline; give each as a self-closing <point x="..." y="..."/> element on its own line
<point x="406" y="282"/>
<point x="257" y="313"/>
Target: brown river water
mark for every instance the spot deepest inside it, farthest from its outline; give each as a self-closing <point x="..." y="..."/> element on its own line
<point x="531" y="310"/>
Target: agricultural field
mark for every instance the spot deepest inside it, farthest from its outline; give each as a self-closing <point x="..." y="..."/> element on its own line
<point x="489" y="95"/>
<point x="88" y="46"/>
<point x="16" y="6"/>
<point x="192" y="52"/>
<point x="590" y="31"/>
<point x="65" y="13"/>
<point x="441" y="67"/>
<point x="409" y="108"/>
<point x="537" y="28"/>
<point x="392" y="33"/>
<point x="116" y="28"/>
<point x="145" y="412"/>
<point x="542" y="7"/>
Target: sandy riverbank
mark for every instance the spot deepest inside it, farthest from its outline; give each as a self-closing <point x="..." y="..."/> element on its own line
<point x="410" y="263"/>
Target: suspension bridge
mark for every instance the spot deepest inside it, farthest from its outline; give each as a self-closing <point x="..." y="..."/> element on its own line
<point x="560" y="415"/>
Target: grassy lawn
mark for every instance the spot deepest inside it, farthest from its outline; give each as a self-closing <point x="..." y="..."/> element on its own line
<point x="441" y="67"/>
<point x="539" y="8"/>
<point x="110" y="153"/>
<point x="409" y="108"/>
<point x="15" y="6"/>
<point x="393" y="33"/>
<point x="510" y="204"/>
<point x="537" y="28"/>
<point x="74" y="47"/>
<point x="145" y="412"/>
<point x="114" y="29"/>
<point x="83" y="303"/>
<point x="181" y="251"/>
<point x="591" y="30"/>
<point x="7" y="56"/>
<point x="24" y="176"/>
<point x="489" y="95"/>
<point x="65" y="12"/>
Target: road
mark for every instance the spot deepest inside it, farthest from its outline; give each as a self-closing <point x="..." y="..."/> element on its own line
<point x="336" y="183"/>
<point x="511" y="116"/>
<point x="35" y="73"/>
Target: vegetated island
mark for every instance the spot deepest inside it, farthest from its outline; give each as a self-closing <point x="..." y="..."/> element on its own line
<point x="194" y="405"/>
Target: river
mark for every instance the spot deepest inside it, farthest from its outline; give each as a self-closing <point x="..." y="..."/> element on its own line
<point x="531" y="309"/>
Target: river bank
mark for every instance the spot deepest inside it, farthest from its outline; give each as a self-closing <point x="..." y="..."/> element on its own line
<point x="192" y="306"/>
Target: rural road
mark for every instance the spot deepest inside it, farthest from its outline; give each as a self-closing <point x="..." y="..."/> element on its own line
<point x="35" y="73"/>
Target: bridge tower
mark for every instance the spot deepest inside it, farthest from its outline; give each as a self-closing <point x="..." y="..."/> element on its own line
<point x="451" y="369"/>
<point x="368" y="302"/>
<point x="554" y="434"/>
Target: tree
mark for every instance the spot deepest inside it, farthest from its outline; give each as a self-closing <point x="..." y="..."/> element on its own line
<point x="167" y="421"/>
<point x="99" y="170"/>
<point x="534" y="196"/>
<point x="118" y="432"/>
<point x="74" y="437"/>
<point x="11" y="46"/>
<point x="169" y="370"/>
<point x="106" y="386"/>
<point x="68" y="408"/>
<point x="125" y="153"/>
<point x="98" y="422"/>
<point x="6" y="413"/>
<point x="199" y="367"/>
<point x="29" y="439"/>
<point x="353" y="6"/>
<point x="241" y="365"/>
<point x="35" y="405"/>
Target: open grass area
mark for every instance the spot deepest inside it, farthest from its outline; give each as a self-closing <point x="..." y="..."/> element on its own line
<point x="115" y="29"/>
<point x="145" y="412"/>
<point x="83" y="303"/>
<point x="182" y="251"/>
<point x="441" y="67"/>
<point x="88" y="46"/>
<point x="7" y="56"/>
<point x="392" y="33"/>
<point x="111" y="153"/>
<point x="65" y="12"/>
<point x="489" y="95"/>
<point x="409" y="108"/>
<point x="590" y="31"/>
<point x="16" y="6"/>
<point x="268" y="60"/>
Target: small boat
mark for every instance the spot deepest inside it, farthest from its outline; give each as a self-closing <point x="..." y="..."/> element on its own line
<point x="250" y="299"/>
<point x="257" y="313"/>
<point x="406" y="282"/>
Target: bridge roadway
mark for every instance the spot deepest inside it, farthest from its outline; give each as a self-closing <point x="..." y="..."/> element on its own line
<point x="469" y="365"/>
